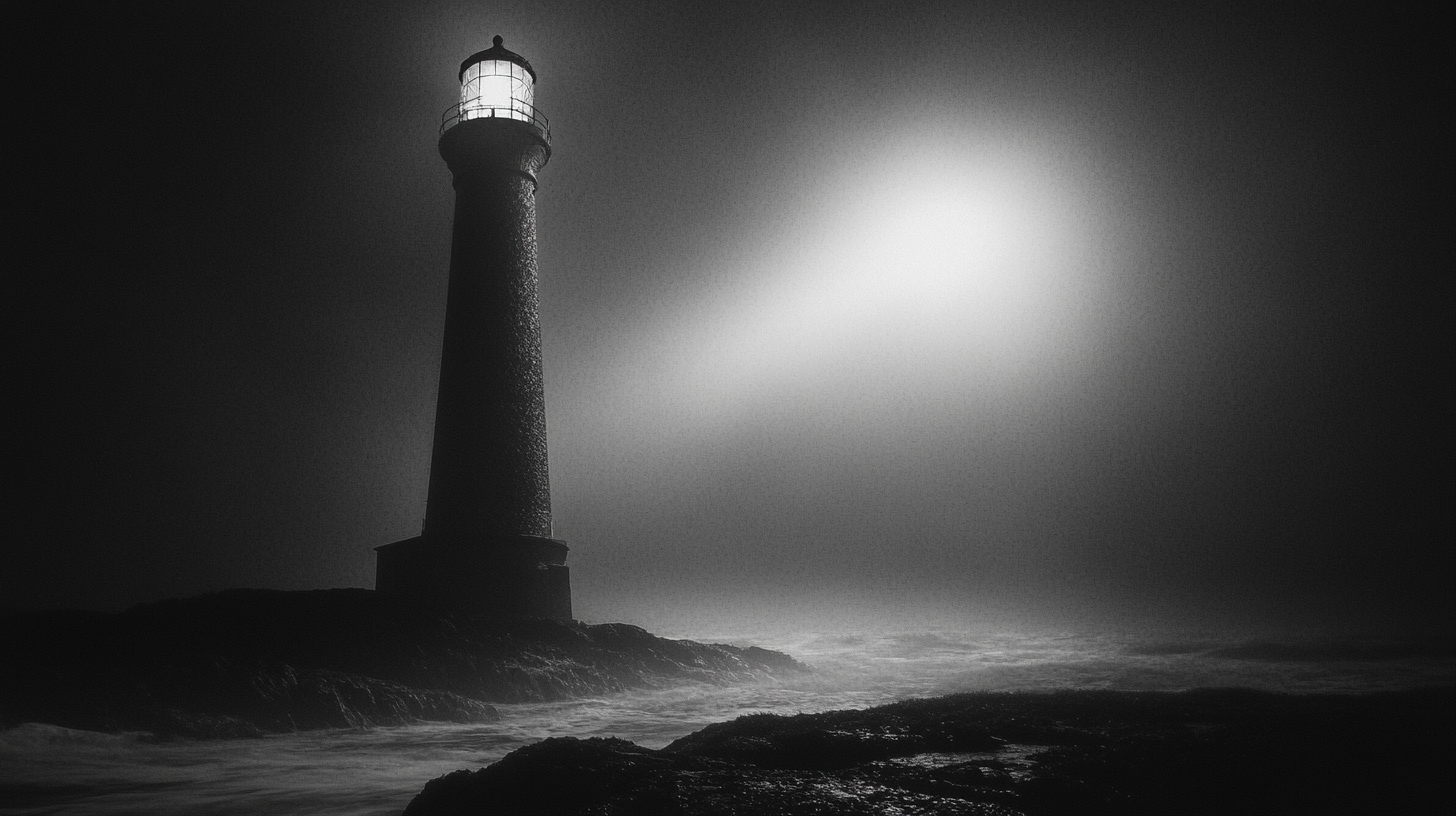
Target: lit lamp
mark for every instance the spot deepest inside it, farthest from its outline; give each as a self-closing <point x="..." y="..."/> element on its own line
<point x="487" y="546"/>
<point x="496" y="83"/>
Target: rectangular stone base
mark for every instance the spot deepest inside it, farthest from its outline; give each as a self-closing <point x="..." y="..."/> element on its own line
<point x="502" y="575"/>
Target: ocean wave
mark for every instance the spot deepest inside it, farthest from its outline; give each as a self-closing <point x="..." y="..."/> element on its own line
<point x="51" y="770"/>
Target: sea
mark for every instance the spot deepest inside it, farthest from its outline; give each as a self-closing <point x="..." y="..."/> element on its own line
<point x="376" y="771"/>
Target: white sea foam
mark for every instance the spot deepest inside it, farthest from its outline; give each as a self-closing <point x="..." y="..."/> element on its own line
<point x="50" y="770"/>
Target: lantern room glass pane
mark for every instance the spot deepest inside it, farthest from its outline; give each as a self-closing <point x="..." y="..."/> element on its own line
<point x="498" y="88"/>
<point x="470" y="83"/>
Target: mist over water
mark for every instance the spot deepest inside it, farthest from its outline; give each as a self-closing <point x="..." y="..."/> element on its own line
<point x="50" y="770"/>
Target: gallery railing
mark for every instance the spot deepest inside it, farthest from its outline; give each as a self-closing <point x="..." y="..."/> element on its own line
<point x="476" y="109"/>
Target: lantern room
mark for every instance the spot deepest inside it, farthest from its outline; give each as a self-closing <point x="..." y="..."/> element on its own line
<point x="496" y="83"/>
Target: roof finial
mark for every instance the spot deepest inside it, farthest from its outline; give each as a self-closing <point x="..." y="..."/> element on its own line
<point x="498" y="40"/>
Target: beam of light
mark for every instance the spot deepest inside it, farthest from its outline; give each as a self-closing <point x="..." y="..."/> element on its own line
<point x="948" y="270"/>
<point x="894" y="352"/>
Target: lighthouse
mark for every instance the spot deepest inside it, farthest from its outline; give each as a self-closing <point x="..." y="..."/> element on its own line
<point x="487" y="544"/>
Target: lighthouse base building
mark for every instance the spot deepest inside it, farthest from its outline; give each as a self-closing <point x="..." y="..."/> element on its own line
<point x="521" y="575"/>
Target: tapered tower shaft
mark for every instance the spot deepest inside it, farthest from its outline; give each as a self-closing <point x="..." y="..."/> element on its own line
<point x="488" y="472"/>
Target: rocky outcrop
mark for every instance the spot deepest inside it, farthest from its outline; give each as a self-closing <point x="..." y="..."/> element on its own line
<point x="243" y="662"/>
<point x="1200" y="752"/>
<point x="564" y="775"/>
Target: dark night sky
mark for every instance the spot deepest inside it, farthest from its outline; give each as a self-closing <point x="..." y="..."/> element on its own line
<point x="914" y="312"/>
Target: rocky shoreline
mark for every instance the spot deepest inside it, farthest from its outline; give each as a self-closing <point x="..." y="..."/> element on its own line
<point x="1213" y="751"/>
<point x="246" y="662"/>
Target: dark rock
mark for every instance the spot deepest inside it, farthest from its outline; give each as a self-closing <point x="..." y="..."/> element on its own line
<point x="1202" y="752"/>
<point x="565" y="776"/>
<point x="244" y="662"/>
<point x="836" y="739"/>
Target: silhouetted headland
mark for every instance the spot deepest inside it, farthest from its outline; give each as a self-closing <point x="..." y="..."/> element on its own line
<point x="999" y="754"/>
<point x="247" y="661"/>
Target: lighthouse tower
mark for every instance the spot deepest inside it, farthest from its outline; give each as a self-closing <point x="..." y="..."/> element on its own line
<point x="487" y="545"/>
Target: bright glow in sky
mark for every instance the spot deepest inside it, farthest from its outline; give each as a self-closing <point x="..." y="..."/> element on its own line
<point x="958" y="266"/>
<point x="878" y="364"/>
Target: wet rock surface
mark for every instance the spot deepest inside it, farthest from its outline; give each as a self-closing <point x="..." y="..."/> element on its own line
<point x="245" y="662"/>
<point x="564" y="775"/>
<point x="1097" y="752"/>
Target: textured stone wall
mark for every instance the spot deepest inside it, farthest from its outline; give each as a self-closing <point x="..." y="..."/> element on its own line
<point x="487" y="545"/>
<point x="488" y="474"/>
